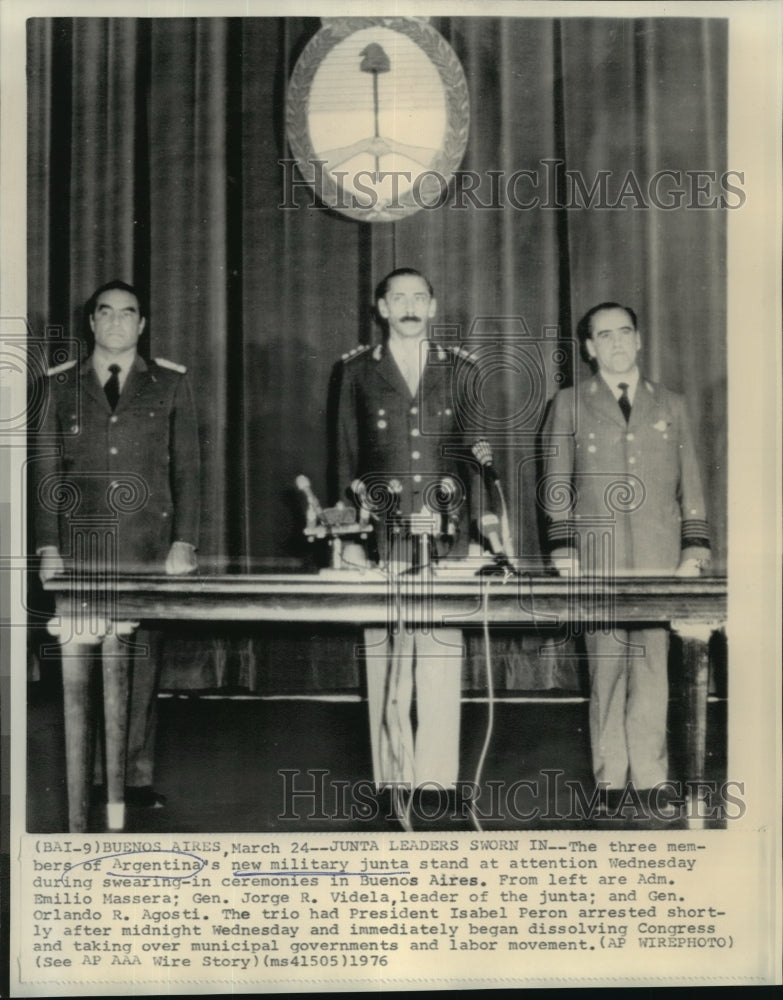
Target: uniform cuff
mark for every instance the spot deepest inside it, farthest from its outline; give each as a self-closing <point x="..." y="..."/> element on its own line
<point x="695" y="534"/>
<point x="561" y="534"/>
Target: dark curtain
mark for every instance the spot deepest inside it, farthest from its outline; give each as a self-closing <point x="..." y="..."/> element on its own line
<point x="154" y="149"/>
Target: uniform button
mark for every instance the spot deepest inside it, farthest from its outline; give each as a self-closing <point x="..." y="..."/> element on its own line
<point x="591" y="435"/>
<point x="164" y="513"/>
<point x="632" y="460"/>
<point x="112" y="451"/>
<point x="415" y="454"/>
<point x="591" y="448"/>
<point x="665" y="437"/>
<point x="415" y="432"/>
<point x="414" y="410"/>
<point x="629" y="437"/>
<point x="381" y="413"/>
<point x="113" y="418"/>
<point x="382" y="424"/>
<point x="75" y="429"/>
<point x="152" y="413"/>
<point x="447" y="411"/>
<point x="417" y="478"/>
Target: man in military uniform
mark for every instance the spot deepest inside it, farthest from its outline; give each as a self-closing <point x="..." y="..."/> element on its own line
<point x="619" y="447"/>
<point x="404" y="437"/>
<point x="119" y="491"/>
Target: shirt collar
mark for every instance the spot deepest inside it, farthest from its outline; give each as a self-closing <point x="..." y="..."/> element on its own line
<point x="631" y="379"/>
<point x="407" y="354"/>
<point x="404" y="348"/>
<point x="101" y="367"/>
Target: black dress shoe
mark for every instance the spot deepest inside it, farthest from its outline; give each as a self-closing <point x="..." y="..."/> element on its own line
<point x="98" y="795"/>
<point x="144" y="797"/>
<point x="609" y="800"/>
<point x="661" y="806"/>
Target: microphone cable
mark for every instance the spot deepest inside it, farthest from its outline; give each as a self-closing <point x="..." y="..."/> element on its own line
<point x="490" y="701"/>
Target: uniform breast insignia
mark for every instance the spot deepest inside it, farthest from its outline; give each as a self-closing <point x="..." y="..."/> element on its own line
<point x="171" y="365"/>
<point x="59" y="369"/>
<point x="355" y="352"/>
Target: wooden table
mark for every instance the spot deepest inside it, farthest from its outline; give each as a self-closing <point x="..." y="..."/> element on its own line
<point x="92" y="610"/>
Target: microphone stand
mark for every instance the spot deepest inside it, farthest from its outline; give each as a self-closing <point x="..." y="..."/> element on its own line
<point x="505" y="529"/>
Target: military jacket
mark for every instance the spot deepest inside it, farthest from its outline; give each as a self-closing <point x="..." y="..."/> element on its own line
<point x="389" y="438"/>
<point x="627" y="496"/>
<point x="117" y="487"/>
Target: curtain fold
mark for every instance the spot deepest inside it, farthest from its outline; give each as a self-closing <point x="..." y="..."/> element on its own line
<point x="157" y="154"/>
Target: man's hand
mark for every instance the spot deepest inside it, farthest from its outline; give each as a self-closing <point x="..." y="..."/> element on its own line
<point x="689" y="567"/>
<point x="51" y="563"/>
<point x="566" y="563"/>
<point x="354" y="556"/>
<point x="181" y="559"/>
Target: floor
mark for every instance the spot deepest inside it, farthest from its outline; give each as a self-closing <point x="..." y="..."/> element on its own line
<point x="234" y="764"/>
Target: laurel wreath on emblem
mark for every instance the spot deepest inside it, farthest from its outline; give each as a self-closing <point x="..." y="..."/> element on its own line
<point x="449" y="156"/>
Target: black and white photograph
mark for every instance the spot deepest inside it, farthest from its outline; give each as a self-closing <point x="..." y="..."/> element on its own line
<point x="344" y="399"/>
<point x="379" y="503"/>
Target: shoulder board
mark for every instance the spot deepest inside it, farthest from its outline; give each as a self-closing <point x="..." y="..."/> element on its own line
<point x="459" y="351"/>
<point x="61" y="368"/>
<point x="172" y="365"/>
<point x="350" y="355"/>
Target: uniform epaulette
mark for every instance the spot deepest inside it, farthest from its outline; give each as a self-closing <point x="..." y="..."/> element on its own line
<point x="172" y="365"/>
<point x="460" y="352"/>
<point x="355" y="352"/>
<point x="61" y="368"/>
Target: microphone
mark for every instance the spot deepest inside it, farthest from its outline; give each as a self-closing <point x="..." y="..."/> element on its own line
<point x="482" y="450"/>
<point x="394" y="486"/>
<point x="449" y="493"/>
<point x="490" y="527"/>
<point x="314" y="507"/>
<point x="358" y="491"/>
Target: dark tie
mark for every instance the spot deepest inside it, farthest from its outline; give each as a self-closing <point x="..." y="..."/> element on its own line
<point x="624" y="402"/>
<point x="112" y="387"/>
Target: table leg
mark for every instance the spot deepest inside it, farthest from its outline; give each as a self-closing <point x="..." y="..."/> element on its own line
<point x="116" y="665"/>
<point x="78" y="704"/>
<point x="696" y="670"/>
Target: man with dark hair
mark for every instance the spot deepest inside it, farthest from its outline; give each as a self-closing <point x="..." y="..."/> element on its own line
<point x="401" y="404"/>
<point x="400" y="272"/>
<point x="619" y="447"/>
<point x="119" y="442"/>
<point x="115" y="285"/>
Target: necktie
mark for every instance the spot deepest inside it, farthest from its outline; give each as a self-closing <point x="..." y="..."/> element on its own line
<point x="112" y="387"/>
<point x="624" y="402"/>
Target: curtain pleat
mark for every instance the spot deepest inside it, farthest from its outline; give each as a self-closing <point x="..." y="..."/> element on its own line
<point x="157" y="154"/>
<point x="102" y="144"/>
